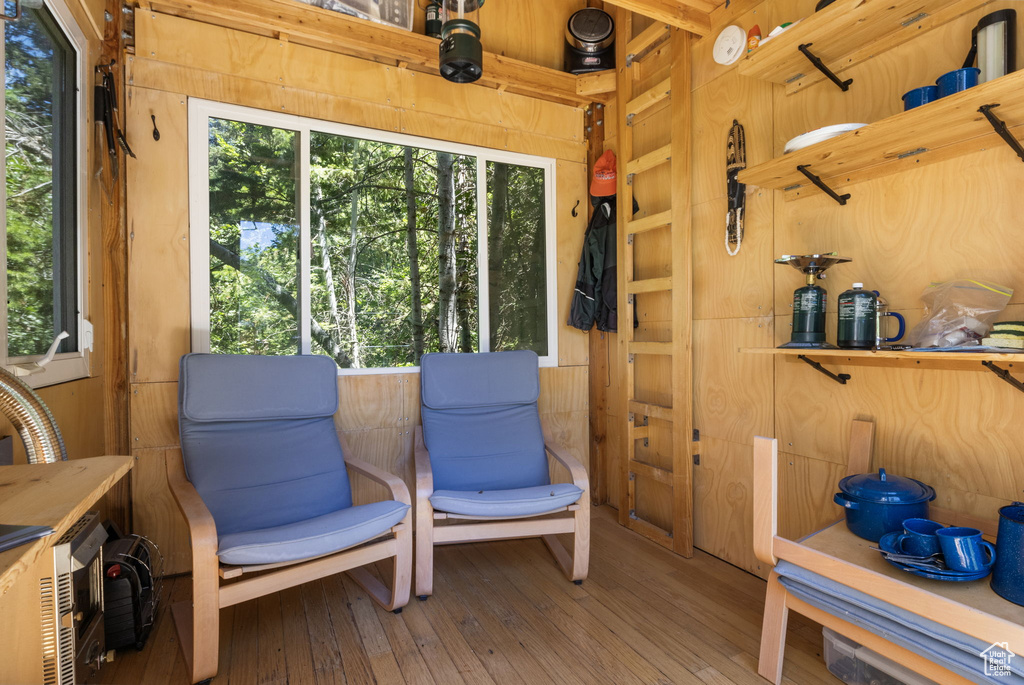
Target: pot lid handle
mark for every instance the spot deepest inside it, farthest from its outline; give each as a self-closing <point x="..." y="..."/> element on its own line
<point x="881" y="475"/>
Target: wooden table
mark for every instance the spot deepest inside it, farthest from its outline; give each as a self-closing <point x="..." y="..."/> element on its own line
<point x="54" y="495"/>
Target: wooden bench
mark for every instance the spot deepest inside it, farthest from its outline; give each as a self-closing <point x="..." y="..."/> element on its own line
<point x="836" y="554"/>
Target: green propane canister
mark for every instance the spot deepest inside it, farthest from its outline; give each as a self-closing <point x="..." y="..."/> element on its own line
<point x="809" y="314"/>
<point x="858" y="309"/>
<point x="433" y="25"/>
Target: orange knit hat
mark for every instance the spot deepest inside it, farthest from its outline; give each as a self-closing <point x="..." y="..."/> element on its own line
<point x="604" y="176"/>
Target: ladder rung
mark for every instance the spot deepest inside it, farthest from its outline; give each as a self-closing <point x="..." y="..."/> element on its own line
<point x="648" y="37"/>
<point x="650" y="347"/>
<point x="648" y="471"/>
<point x="649" y="285"/>
<point x="651" y="410"/>
<point x="650" y="531"/>
<point x="639" y="432"/>
<point x="650" y="160"/>
<point x="649" y="223"/>
<point x="649" y="98"/>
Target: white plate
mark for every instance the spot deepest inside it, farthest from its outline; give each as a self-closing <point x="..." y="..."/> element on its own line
<point x="816" y="136"/>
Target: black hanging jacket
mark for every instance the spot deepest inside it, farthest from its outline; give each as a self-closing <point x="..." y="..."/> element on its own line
<point x="594" y="297"/>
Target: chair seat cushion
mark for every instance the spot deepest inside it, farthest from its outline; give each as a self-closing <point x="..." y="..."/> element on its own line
<point x="503" y="503"/>
<point x="312" y="537"/>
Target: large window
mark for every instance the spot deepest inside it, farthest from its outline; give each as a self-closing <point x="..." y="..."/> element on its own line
<point x="44" y="135"/>
<point x="369" y="248"/>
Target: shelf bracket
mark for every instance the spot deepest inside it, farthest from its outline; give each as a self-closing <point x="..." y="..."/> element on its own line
<point x="820" y="66"/>
<point x="838" y="378"/>
<point x="816" y="180"/>
<point x="1004" y="374"/>
<point x="1000" y="126"/>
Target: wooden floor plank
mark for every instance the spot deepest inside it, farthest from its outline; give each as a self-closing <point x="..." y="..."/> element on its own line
<point x="502" y="613"/>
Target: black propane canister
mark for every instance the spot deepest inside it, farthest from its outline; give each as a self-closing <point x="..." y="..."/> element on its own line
<point x="809" y="314"/>
<point x="433" y="25"/>
<point x="857" y="318"/>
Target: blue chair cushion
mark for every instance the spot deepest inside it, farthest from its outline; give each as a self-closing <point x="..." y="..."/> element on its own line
<point x="948" y="647"/>
<point x="480" y="421"/>
<point x="504" y="503"/>
<point x="312" y="537"/>
<point x="258" y="431"/>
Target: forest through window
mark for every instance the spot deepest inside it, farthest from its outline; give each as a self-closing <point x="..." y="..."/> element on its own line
<point x="406" y="249"/>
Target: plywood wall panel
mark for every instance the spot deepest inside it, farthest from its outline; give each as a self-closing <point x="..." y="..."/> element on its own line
<point x="723" y="502"/>
<point x="158" y="246"/>
<point x="732" y="390"/>
<point x="530" y="31"/>
<point x="806" y="487"/>
<point x="715" y="106"/>
<point x="737" y="286"/>
<point x="563" y="389"/>
<point x="570" y="430"/>
<point x="154" y="511"/>
<point x="371" y="401"/>
<point x="572" y="192"/>
<point x="154" y="415"/>
<point x="387" y="448"/>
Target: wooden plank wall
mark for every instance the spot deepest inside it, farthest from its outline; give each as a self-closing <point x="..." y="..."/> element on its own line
<point x="954" y="429"/>
<point x="176" y="59"/>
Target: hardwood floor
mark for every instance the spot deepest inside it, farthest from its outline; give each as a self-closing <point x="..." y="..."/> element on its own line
<point x="502" y="613"/>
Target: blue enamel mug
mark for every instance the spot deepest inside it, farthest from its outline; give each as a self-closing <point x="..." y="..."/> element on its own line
<point x="964" y="550"/>
<point x="1008" y="572"/>
<point x="920" y="96"/>
<point x="918" y="537"/>
<point x="957" y="80"/>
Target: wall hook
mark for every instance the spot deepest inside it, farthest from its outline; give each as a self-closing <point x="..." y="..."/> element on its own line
<point x="574" y="212"/>
<point x="156" y="131"/>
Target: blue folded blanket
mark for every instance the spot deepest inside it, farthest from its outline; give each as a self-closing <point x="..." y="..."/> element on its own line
<point x="952" y="649"/>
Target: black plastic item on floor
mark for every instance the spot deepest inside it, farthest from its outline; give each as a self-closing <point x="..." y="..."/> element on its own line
<point x="131" y="588"/>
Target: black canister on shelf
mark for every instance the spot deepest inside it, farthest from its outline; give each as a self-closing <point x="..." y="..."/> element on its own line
<point x="432" y="27"/>
<point x="809" y="314"/>
<point x="857" y="318"/>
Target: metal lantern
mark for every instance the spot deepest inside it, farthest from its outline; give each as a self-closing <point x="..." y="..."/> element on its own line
<point x="461" y="54"/>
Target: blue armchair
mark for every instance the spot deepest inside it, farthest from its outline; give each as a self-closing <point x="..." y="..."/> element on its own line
<point x="264" y="486"/>
<point x="482" y="457"/>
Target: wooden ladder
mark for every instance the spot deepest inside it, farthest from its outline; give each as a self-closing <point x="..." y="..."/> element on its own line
<point x="632" y="107"/>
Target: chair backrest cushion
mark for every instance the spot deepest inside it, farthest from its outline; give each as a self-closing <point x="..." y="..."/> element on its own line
<point x="258" y="438"/>
<point x="480" y="420"/>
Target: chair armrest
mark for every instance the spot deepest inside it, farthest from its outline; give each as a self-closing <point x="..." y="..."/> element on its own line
<point x="424" y="474"/>
<point x="398" y="488"/>
<point x="201" y="526"/>
<point x="576" y="469"/>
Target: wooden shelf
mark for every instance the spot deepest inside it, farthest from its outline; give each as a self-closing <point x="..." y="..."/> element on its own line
<point x="916" y="355"/>
<point x="846" y="33"/>
<point x="939" y="131"/>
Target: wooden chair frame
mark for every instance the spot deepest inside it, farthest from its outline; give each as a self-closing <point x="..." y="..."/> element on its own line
<point x="770" y="548"/>
<point x="499" y="527"/>
<point x="201" y="617"/>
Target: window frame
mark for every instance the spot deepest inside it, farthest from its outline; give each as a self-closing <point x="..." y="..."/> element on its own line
<point x="199" y="114"/>
<point x="65" y="366"/>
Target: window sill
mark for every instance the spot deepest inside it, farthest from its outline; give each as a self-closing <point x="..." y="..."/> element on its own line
<point x="71" y="368"/>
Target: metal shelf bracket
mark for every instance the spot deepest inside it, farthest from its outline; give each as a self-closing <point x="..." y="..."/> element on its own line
<point x="820" y="66"/>
<point x="1004" y="374"/>
<point x="816" y="180"/>
<point x="1000" y="127"/>
<point x="838" y="378"/>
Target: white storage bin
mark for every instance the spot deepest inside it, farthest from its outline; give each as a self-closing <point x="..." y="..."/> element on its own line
<point x="398" y="13"/>
<point x="858" y="665"/>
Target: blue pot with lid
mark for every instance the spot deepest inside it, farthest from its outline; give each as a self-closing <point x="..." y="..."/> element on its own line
<point x="879" y="503"/>
<point x="1008" y="572"/>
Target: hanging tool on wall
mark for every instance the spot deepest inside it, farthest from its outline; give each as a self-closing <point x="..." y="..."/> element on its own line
<point x="105" y="111"/>
<point x="735" y="162"/>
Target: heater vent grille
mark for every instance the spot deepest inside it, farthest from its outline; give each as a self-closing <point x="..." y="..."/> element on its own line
<point x="76" y="528"/>
<point x="48" y="617"/>
<point x="65" y="634"/>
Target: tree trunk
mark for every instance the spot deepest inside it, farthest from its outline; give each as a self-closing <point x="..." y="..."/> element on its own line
<point x="333" y="312"/>
<point x="414" y="258"/>
<point x="496" y="280"/>
<point x="447" y="323"/>
<point x="353" y="253"/>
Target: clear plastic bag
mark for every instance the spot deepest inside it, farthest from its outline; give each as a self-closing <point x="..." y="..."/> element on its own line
<point x="958" y="313"/>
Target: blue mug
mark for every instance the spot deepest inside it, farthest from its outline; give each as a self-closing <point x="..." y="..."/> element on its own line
<point x="964" y="550"/>
<point x="920" y="96"/>
<point x="918" y="538"/>
<point x="957" y="80"/>
<point x="1008" y="572"/>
